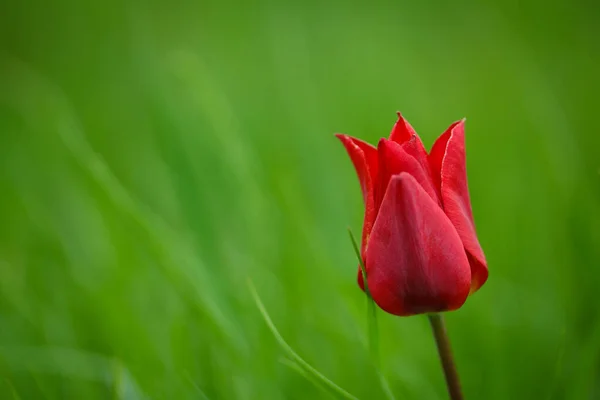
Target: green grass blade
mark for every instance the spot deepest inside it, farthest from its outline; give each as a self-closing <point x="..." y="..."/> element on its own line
<point x="297" y="368"/>
<point x="293" y="355"/>
<point x="372" y="322"/>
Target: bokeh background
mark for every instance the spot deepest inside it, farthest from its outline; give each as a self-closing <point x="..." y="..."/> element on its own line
<point x="155" y="156"/>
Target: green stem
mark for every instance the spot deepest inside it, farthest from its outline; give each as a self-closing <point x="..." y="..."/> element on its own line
<point x="443" y="345"/>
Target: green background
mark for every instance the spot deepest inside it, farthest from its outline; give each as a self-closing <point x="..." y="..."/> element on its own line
<point x="154" y="156"/>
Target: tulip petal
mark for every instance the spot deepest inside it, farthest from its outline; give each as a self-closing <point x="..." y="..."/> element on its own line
<point x="415" y="261"/>
<point x="402" y="131"/>
<point x="436" y="155"/>
<point x="414" y="146"/>
<point x="448" y="164"/>
<point x="364" y="158"/>
<point x="394" y="159"/>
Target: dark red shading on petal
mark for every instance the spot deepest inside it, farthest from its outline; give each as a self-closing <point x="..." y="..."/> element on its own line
<point x="402" y="131"/>
<point x="417" y="263"/>
<point x="415" y="148"/>
<point x="394" y="159"/>
<point x="364" y="158"/>
<point x="448" y="163"/>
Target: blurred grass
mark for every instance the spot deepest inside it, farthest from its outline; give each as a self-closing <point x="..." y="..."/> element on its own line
<point x="156" y="155"/>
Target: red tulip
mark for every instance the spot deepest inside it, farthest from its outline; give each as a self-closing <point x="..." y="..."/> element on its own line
<point x="419" y="244"/>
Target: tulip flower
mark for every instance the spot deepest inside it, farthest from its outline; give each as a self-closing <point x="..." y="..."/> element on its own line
<point x="419" y="245"/>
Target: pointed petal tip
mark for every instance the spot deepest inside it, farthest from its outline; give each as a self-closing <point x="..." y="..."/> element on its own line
<point x="460" y="124"/>
<point x="402" y="130"/>
<point x="347" y="140"/>
<point x="401" y="118"/>
<point x="352" y="141"/>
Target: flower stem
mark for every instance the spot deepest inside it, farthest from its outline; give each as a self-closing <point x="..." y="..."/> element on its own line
<point x="443" y="345"/>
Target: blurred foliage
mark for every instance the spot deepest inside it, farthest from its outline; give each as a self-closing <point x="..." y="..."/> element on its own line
<point x="155" y="155"/>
